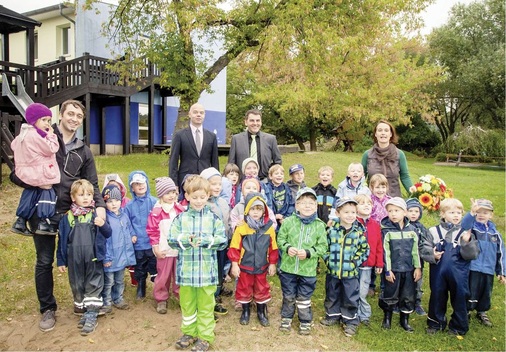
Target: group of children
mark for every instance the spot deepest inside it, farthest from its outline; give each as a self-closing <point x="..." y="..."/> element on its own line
<point x="237" y="225"/>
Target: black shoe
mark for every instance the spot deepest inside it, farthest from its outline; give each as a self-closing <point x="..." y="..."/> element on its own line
<point x="19" y="227"/>
<point x="219" y="309"/>
<point x="45" y="228"/>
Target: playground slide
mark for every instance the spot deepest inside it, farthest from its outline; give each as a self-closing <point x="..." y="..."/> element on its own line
<point x="21" y="100"/>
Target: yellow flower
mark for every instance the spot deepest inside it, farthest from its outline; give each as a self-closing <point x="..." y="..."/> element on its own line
<point x="425" y="199"/>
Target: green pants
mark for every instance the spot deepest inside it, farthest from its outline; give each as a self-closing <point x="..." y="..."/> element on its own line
<point x="197" y="308"/>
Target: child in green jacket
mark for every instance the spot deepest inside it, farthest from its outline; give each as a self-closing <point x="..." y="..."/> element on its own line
<point x="302" y="240"/>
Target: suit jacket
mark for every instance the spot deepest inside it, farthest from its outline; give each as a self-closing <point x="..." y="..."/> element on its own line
<point x="269" y="152"/>
<point x="184" y="158"/>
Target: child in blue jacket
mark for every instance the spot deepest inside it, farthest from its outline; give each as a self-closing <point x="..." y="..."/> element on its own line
<point x="138" y="210"/>
<point x="491" y="260"/>
<point x="120" y="251"/>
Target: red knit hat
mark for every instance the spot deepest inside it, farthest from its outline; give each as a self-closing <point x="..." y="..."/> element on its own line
<point x="36" y="111"/>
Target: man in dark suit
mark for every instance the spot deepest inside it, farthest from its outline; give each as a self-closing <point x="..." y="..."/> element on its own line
<point x="264" y="150"/>
<point x="193" y="149"/>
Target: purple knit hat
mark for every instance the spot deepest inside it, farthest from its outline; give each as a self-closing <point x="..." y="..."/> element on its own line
<point x="164" y="185"/>
<point x="36" y="111"/>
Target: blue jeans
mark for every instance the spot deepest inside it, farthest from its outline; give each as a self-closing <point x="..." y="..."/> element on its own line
<point x="114" y="285"/>
<point x="44" y="284"/>
<point x="364" y="308"/>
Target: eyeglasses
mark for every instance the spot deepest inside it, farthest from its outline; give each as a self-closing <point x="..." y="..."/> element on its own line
<point x="307" y="204"/>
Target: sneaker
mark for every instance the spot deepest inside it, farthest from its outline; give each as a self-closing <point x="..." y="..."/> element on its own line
<point x="432" y="331"/>
<point x="329" y="321"/>
<point x="79" y="310"/>
<point x="19" y="227"/>
<point x="396" y="310"/>
<point x="452" y="332"/>
<point x="105" y="310"/>
<point x="81" y="322"/>
<point x="484" y="319"/>
<point x="121" y="305"/>
<point x="219" y="309"/>
<point x="305" y="328"/>
<point x="350" y="330"/>
<point x="200" y="345"/>
<point x="286" y="325"/>
<point x="420" y="311"/>
<point x="161" y="307"/>
<point x="90" y="323"/>
<point x="185" y="341"/>
<point x="48" y="321"/>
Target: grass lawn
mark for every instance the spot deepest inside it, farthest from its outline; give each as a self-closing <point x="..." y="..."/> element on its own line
<point x="16" y="275"/>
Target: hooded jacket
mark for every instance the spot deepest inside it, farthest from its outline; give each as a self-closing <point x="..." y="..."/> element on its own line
<point x="373" y="235"/>
<point x="254" y="249"/>
<point x="119" y="247"/>
<point x="115" y="177"/>
<point x="35" y="157"/>
<point x="346" y="188"/>
<point x="347" y="250"/>
<point x="138" y="210"/>
<point x="492" y="259"/>
<point x="400" y="246"/>
<point x="158" y="226"/>
<point x="197" y="235"/>
<point x="311" y="237"/>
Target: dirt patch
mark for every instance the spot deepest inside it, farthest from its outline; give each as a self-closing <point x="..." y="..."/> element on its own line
<point x="141" y="328"/>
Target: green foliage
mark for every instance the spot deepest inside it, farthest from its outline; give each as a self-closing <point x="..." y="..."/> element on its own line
<point x="471" y="49"/>
<point x="318" y="79"/>
<point x="418" y="137"/>
<point x="476" y="141"/>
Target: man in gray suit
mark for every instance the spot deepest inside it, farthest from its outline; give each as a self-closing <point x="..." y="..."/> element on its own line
<point x="252" y="143"/>
<point x="193" y="148"/>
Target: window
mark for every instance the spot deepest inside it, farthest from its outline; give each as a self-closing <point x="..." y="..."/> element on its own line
<point x="36" y="46"/>
<point x="65" y="41"/>
<point x="143" y="124"/>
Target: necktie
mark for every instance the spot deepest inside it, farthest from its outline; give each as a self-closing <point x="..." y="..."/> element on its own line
<point x="198" y="143"/>
<point x="253" y="148"/>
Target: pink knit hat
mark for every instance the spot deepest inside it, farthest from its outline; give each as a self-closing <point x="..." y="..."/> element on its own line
<point x="36" y="111"/>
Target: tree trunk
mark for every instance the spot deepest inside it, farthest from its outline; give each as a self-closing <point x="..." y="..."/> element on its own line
<point x="312" y="140"/>
<point x="300" y="143"/>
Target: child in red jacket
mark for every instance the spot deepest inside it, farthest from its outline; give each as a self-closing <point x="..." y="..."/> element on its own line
<point x="375" y="259"/>
<point x="254" y="254"/>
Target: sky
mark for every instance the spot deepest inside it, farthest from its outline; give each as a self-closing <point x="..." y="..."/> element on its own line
<point x="435" y="15"/>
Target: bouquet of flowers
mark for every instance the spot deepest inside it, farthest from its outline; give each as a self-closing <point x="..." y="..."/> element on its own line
<point x="430" y="191"/>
